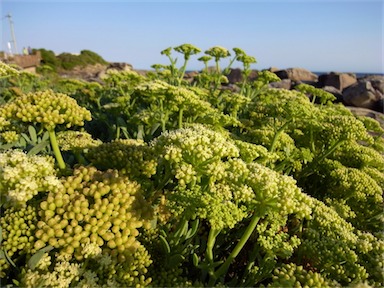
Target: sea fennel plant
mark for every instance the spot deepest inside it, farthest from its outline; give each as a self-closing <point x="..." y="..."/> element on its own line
<point x="49" y="109"/>
<point x="205" y="178"/>
<point x="267" y="187"/>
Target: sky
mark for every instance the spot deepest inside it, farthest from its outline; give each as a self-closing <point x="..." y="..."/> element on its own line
<point x="321" y="36"/>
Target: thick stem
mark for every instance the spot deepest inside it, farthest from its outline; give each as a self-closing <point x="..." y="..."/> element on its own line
<point x="244" y="238"/>
<point x="211" y="243"/>
<point x="56" y="150"/>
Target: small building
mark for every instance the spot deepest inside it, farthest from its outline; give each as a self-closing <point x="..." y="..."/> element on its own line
<point x="25" y="62"/>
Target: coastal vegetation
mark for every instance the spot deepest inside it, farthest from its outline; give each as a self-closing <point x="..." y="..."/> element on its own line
<point x="160" y="181"/>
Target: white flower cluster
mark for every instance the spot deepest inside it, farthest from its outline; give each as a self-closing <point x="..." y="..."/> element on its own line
<point x="24" y="176"/>
<point x="61" y="277"/>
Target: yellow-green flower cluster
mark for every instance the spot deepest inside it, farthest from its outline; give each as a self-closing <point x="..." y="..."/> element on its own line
<point x="323" y="95"/>
<point x="187" y="50"/>
<point x="174" y="105"/>
<point x="18" y="230"/>
<point x="93" y="207"/>
<point x="218" y="52"/>
<point x="131" y="157"/>
<point x="76" y="140"/>
<point x="360" y="190"/>
<point x="263" y="78"/>
<point x="274" y="238"/>
<point x="7" y="71"/>
<point x="9" y="136"/>
<point x="213" y="183"/>
<point x="329" y="242"/>
<point x="292" y="275"/>
<point x="344" y="127"/>
<point x="46" y="107"/>
<point x="24" y="176"/>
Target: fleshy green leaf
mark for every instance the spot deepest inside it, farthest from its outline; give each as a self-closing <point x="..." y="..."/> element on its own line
<point x="37" y="256"/>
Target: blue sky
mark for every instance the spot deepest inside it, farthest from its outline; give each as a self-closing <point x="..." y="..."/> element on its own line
<point x="338" y="35"/>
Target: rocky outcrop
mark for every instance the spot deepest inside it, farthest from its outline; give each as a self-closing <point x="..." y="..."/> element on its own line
<point x="95" y="72"/>
<point x="283" y="84"/>
<point x="364" y="94"/>
<point x="297" y="75"/>
<point x="235" y="76"/>
<point x="338" y="80"/>
<point x="119" y="66"/>
<point x="89" y="72"/>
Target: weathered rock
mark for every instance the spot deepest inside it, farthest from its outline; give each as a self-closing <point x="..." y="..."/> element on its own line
<point x="273" y="69"/>
<point x="377" y="81"/>
<point x="297" y="75"/>
<point x="235" y="76"/>
<point x="120" y="66"/>
<point x="190" y="76"/>
<point x="363" y="94"/>
<point x="89" y="72"/>
<point x="336" y="92"/>
<point x="283" y="84"/>
<point x="338" y="80"/>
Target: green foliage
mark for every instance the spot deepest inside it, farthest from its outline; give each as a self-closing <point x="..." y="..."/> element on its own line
<point x="68" y="61"/>
<point x="176" y="183"/>
<point x="49" y="58"/>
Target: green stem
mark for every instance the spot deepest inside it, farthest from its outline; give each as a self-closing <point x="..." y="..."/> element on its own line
<point x="211" y="243"/>
<point x="243" y="240"/>
<point x="274" y="141"/>
<point x="182" y="72"/>
<point x="56" y="150"/>
<point x="330" y="151"/>
<point x="217" y="66"/>
<point x="162" y="117"/>
<point x="180" y="122"/>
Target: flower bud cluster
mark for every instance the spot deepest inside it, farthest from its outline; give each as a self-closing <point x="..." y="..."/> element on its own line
<point x="9" y="136"/>
<point x="24" y="176"/>
<point x="187" y="50"/>
<point x="363" y="194"/>
<point x="358" y="156"/>
<point x="75" y="140"/>
<point x="323" y="95"/>
<point x="93" y="207"/>
<point x="274" y="237"/>
<point x="218" y="52"/>
<point x="171" y="278"/>
<point x="3" y="123"/>
<point x="18" y="230"/>
<point x="277" y="192"/>
<point x="291" y="275"/>
<point x="192" y="102"/>
<point x="344" y="127"/>
<point x="46" y="107"/>
<point x="4" y="266"/>
<point x="329" y="239"/>
<point x="7" y="71"/>
<point x="265" y="77"/>
<point x="213" y="183"/>
<point x="131" y="157"/>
